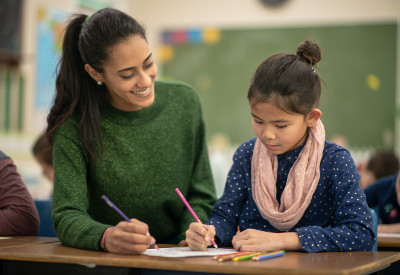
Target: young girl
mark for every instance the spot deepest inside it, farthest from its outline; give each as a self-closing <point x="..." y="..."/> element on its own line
<point x="118" y="132"/>
<point x="289" y="188"/>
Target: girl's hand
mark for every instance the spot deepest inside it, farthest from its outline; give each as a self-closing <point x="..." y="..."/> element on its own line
<point x="199" y="238"/>
<point x="129" y="238"/>
<point x="261" y="241"/>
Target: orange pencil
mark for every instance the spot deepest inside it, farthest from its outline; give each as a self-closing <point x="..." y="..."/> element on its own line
<point x="230" y="256"/>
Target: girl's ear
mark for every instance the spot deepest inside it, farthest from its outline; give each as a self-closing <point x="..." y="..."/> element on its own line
<point x="313" y="117"/>
<point x="93" y="73"/>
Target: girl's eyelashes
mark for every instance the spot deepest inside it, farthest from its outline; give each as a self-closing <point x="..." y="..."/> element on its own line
<point x="257" y="121"/>
<point x="281" y="126"/>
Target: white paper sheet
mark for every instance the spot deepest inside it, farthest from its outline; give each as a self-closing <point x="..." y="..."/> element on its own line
<point x="186" y="252"/>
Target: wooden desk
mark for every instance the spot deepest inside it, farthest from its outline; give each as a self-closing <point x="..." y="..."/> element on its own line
<point x="62" y="257"/>
<point x="389" y="241"/>
<point x="24" y="241"/>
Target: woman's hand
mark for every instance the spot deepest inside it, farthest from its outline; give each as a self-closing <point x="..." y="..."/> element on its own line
<point x="198" y="237"/>
<point x="129" y="238"/>
<point x="261" y="241"/>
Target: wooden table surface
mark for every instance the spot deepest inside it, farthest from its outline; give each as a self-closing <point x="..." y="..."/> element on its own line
<point x="24" y="241"/>
<point x="389" y="240"/>
<point x="292" y="262"/>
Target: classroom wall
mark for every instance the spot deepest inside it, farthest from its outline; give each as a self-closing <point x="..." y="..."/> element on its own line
<point x="16" y="138"/>
<point x="158" y="15"/>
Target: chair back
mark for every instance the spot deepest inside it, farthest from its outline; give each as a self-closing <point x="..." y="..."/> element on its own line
<point x="46" y="223"/>
<point x="375" y="222"/>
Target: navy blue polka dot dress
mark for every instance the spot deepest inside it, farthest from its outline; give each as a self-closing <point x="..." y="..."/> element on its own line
<point x="337" y="219"/>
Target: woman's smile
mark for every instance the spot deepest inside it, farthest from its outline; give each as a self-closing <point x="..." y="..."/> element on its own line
<point x="144" y="93"/>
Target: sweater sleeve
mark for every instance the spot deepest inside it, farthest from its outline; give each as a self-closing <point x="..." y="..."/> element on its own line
<point x="352" y="221"/>
<point x="72" y="222"/>
<point x="229" y="207"/>
<point x="201" y="193"/>
<point x="18" y="213"/>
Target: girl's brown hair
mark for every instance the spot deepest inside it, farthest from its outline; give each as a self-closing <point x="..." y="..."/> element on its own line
<point x="289" y="81"/>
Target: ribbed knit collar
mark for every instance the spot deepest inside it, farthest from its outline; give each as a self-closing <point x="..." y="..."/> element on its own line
<point x="138" y="117"/>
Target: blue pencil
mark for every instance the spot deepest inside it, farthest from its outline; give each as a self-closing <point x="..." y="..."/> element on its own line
<point x="268" y="255"/>
<point x="116" y="209"/>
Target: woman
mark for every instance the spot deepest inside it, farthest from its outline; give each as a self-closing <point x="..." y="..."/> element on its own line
<point x="117" y="132"/>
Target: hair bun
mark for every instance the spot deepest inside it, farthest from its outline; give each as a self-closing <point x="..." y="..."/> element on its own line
<point x="309" y="52"/>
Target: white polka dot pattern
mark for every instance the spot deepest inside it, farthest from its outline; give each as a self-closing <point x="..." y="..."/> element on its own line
<point x="337" y="219"/>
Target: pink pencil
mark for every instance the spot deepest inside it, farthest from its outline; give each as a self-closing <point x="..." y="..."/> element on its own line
<point x="192" y="212"/>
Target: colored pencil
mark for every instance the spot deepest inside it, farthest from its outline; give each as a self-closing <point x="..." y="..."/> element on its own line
<point x="228" y="257"/>
<point x="246" y="257"/>
<point x="192" y="212"/>
<point x="116" y="209"/>
<point x="268" y="255"/>
<point x="230" y="254"/>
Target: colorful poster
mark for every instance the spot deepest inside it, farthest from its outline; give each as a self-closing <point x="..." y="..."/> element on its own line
<point x="49" y="31"/>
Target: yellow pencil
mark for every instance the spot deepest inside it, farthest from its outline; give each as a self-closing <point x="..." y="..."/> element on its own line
<point x="245" y="257"/>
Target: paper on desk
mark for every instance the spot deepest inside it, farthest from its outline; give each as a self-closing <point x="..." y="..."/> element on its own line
<point x="186" y="252"/>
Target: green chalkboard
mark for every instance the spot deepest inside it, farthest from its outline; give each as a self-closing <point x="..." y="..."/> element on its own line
<point x="358" y="67"/>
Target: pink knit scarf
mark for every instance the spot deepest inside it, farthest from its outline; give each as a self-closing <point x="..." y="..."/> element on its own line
<point x="301" y="183"/>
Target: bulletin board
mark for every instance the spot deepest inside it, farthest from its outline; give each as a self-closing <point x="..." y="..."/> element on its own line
<point x="358" y="67"/>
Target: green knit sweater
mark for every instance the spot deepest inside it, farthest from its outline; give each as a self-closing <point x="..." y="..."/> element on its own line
<point x="147" y="154"/>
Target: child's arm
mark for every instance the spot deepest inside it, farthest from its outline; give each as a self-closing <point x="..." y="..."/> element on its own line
<point x="349" y="227"/>
<point x="256" y="240"/>
<point x="229" y="206"/>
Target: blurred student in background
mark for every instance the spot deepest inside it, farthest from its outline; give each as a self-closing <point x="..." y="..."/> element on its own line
<point x="384" y="196"/>
<point x="43" y="153"/>
<point x="381" y="164"/>
<point x="18" y="214"/>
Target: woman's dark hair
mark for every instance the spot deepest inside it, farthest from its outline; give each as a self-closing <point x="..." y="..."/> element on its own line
<point x="87" y="40"/>
<point x="43" y="150"/>
<point x="289" y="80"/>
